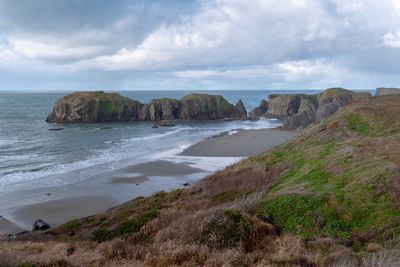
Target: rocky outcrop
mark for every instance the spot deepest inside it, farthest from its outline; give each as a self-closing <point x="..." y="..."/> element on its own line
<point x="209" y="107"/>
<point x="160" y="109"/>
<point x="259" y="111"/>
<point x="94" y="107"/>
<point x="240" y="110"/>
<point x="301" y="110"/>
<point x="387" y="91"/>
<point x="282" y="106"/>
<point x="104" y="107"/>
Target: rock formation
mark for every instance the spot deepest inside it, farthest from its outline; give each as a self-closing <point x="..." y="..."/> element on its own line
<point x="209" y="107"/>
<point x="104" y="107"/>
<point x="40" y="225"/>
<point x="94" y="107"/>
<point x="259" y="111"/>
<point x="387" y="91"/>
<point x="301" y="110"/>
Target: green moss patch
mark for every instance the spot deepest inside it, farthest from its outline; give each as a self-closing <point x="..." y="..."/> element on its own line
<point x="357" y="124"/>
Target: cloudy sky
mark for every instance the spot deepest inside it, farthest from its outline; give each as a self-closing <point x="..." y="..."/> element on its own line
<point x="198" y="44"/>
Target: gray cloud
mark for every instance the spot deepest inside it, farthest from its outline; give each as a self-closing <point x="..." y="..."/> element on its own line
<point x="221" y="44"/>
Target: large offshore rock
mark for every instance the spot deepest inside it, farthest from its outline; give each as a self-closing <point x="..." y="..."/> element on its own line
<point x="261" y="110"/>
<point x="209" y="107"/>
<point x="94" y="107"/>
<point x="240" y="110"/>
<point x="387" y="91"/>
<point x="160" y="109"/>
<point x="285" y="105"/>
<point x="104" y="107"/>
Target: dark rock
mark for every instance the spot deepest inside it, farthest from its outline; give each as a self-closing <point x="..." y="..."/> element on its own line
<point x="56" y="129"/>
<point x="261" y="110"/>
<point x="23" y="233"/>
<point x="40" y="225"/>
<point x="240" y="110"/>
<point x="387" y="91"/>
<point x="166" y="123"/>
<point x="186" y="184"/>
<point x="155" y="125"/>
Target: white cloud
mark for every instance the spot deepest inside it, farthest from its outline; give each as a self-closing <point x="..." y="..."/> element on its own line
<point x="51" y="49"/>
<point x="228" y="32"/>
<point x="392" y="39"/>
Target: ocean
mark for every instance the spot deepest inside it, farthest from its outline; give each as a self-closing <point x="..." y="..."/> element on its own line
<point x="32" y="155"/>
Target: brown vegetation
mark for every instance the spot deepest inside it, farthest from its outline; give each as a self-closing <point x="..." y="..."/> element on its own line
<point x="327" y="198"/>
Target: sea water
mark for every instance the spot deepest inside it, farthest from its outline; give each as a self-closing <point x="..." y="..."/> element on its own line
<point x="33" y="155"/>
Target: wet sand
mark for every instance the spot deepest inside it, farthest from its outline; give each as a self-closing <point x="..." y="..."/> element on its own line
<point x="244" y="143"/>
<point x="100" y="192"/>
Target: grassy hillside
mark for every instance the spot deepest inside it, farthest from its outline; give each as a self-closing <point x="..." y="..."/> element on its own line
<point x="329" y="197"/>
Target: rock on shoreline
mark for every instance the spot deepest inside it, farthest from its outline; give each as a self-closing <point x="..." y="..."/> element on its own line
<point x="106" y="107"/>
<point x="301" y="110"/>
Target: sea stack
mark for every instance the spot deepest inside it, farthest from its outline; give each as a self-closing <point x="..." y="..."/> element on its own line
<point x="92" y="107"/>
<point x="301" y="110"/>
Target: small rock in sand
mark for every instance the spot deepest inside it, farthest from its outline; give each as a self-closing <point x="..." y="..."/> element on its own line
<point x="40" y="225"/>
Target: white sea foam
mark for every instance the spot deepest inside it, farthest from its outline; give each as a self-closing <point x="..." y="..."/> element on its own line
<point x="164" y="145"/>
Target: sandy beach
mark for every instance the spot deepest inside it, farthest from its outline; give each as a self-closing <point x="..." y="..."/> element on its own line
<point x="243" y="143"/>
<point x="98" y="193"/>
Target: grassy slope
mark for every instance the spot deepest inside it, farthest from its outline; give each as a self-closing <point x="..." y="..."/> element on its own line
<point x="327" y="197"/>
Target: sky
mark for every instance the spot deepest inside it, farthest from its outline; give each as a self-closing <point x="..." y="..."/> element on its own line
<point x="198" y="44"/>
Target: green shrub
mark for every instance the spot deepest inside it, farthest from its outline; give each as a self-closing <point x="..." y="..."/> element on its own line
<point x="226" y="230"/>
<point x="308" y="216"/>
<point x="128" y="227"/>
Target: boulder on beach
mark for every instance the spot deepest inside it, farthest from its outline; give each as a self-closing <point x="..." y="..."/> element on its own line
<point x="40" y="225"/>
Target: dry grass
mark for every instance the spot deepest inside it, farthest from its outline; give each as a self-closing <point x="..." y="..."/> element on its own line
<point x="215" y="223"/>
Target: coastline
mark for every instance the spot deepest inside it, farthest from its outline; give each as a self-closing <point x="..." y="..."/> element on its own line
<point x="58" y="204"/>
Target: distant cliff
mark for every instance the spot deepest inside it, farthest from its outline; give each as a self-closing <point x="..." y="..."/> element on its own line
<point x="387" y="91"/>
<point x="301" y="110"/>
<point x="105" y="107"/>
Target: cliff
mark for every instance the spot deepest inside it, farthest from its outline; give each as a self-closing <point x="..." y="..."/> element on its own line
<point x="301" y="110"/>
<point x="387" y="91"/>
<point x="104" y="107"/>
<point x="328" y="197"/>
<point x="94" y="107"/>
